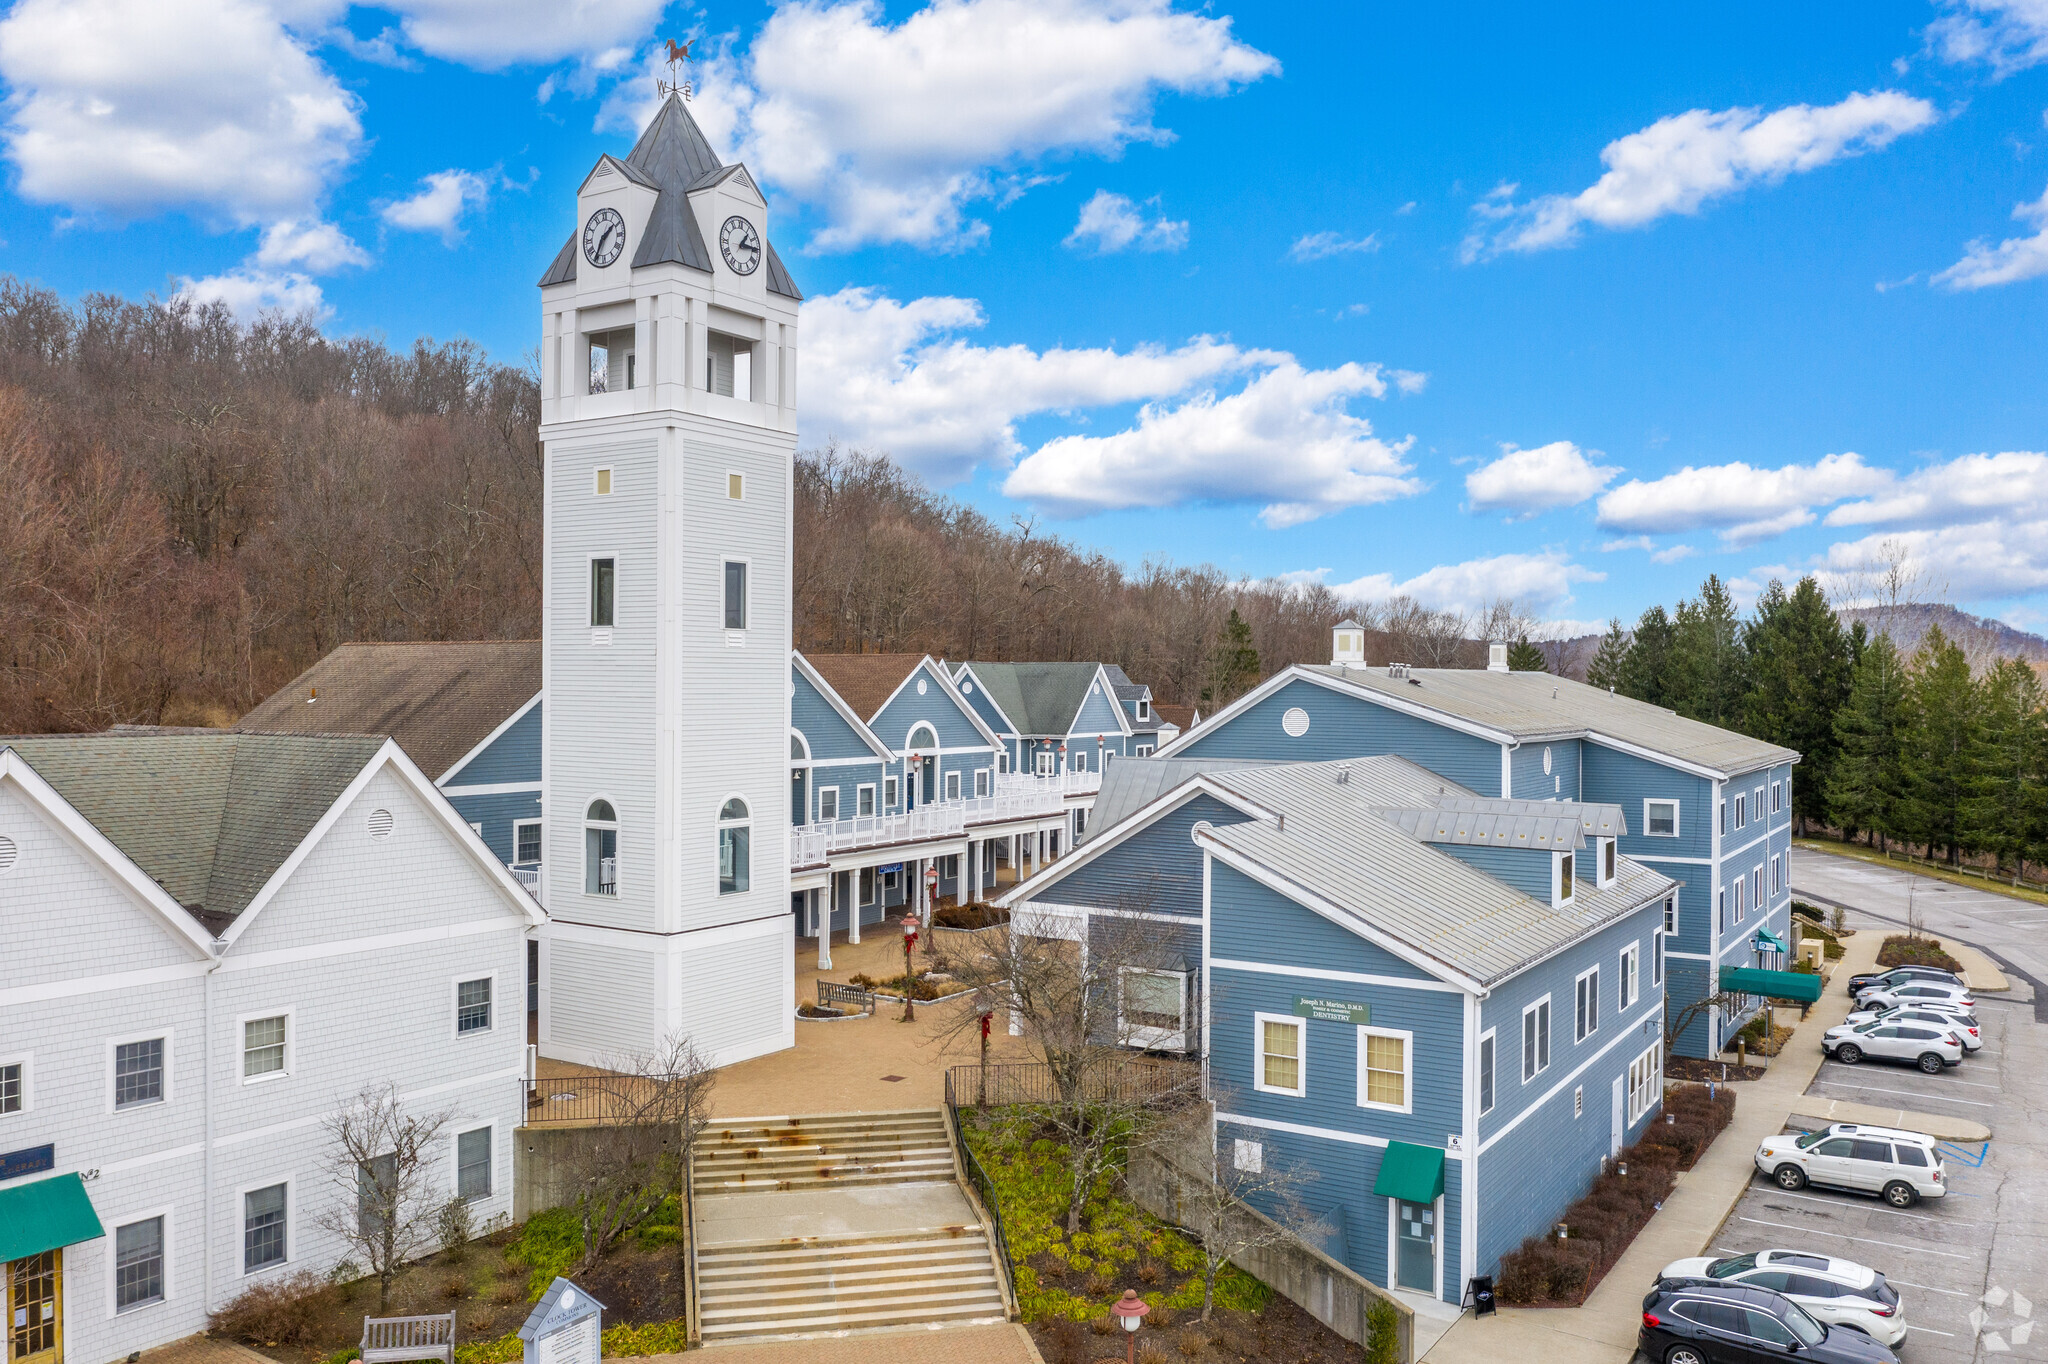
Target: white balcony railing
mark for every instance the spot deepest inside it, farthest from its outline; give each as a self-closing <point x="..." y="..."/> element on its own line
<point x="530" y="878"/>
<point x="1016" y="796"/>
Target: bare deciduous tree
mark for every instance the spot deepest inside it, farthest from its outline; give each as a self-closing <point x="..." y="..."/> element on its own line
<point x="384" y="1167"/>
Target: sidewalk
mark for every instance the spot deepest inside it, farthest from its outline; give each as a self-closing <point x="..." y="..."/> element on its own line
<point x="1604" y="1330"/>
<point x="1007" y="1344"/>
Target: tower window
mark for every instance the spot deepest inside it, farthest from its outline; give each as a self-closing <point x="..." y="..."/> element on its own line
<point x="600" y="849"/>
<point x="612" y="361"/>
<point x="735" y="596"/>
<point x="729" y="366"/>
<point x="734" y="859"/>
<point x="603" y="483"/>
<point x="603" y="575"/>
<point x="736" y="487"/>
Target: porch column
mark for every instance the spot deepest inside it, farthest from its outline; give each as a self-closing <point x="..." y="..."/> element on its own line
<point x="961" y="891"/>
<point x="852" y="906"/>
<point x="823" y="926"/>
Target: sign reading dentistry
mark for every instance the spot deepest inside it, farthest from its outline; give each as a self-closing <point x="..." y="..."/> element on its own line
<point x="1332" y="1010"/>
<point x="565" y="1327"/>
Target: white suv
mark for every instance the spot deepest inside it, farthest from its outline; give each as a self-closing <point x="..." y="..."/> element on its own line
<point x="1915" y="992"/>
<point x="1838" y="1292"/>
<point x="1926" y="1045"/>
<point x="1901" y="1167"/>
<point x="1958" y="1021"/>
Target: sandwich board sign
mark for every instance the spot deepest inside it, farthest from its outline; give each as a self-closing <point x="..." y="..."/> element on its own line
<point x="565" y="1327"/>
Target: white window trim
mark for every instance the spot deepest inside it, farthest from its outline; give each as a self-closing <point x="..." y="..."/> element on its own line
<point x="1543" y="1057"/>
<point x="1656" y="959"/>
<point x="1777" y="798"/>
<point x="1676" y="827"/>
<point x="950" y="784"/>
<point x="590" y="589"/>
<point x="1407" y="1040"/>
<point x="1630" y="963"/>
<point x="595" y="490"/>
<point x="892" y="792"/>
<point x="1671" y="915"/>
<point x="455" y="984"/>
<point x="746" y="594"/>
<point x="583" y="852"/>
<point x="169" y="1035"/>
<point x="1558" y="899"/>
<point x="1592" y="996"/>
<point x="1144" y="709"/>
<point x="27" y="1061"/>
<point x="113" y="1255"/>
<point x="519" y="824"/>
<point x="291" y="1226"/>
<point x="869" y="788"/>
<point x="455" y="1161"/>
<point x="1489" y="1045"/>
<point x="730" y="475"/>
<point x="912" y="747"/>
<point x="719" y="824"/>
<point x="1153" y="1039"/>
<point x="1259" y="1021"/>
<point x="290" y="1014"/>
<point x="823" y="792"/>
<point x="984" y="783"/>
<point x="1605" y="850"/>
<point x="1144" y="750"/>
<point x="1651" y="1059"/>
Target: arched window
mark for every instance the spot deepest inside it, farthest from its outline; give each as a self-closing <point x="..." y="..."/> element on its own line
<point x="923" y="739"/>
<point x="601" y="849"/>
<point x="799" y="751"/>
<point x="734" y="832"/>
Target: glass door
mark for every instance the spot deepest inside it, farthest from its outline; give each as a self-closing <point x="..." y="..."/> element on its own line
<point x="1415" y="1246"/>
<point x="34" y="1331"/>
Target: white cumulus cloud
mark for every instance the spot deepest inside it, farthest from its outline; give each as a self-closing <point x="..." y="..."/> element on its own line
<point x="492" y="34"/>
<point x="309" y="243"/>
<point x="1541" y="582"/>
<point x="2006" y="35"/>
<point x="438" y="206"/>
<point x="1286" y="439"/>
<point x="1967" y="489"/>
<point x="250" y="292"/>
<point x="1110" y="223"/>
<point x="1742" y="503"/>
<point x="2012" y="260"/>
<point x="128" y="107"/>
<point x="1679" y="163"/>
<point x="892" y="130"/>
<point x="1321" y="245"/>
<point x="1525" y="482"/>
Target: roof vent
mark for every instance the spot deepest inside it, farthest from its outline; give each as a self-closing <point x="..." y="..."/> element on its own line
<point x="8" y="852"/>
<point x="1497" y="656"/>
<point x="380" y="824"/>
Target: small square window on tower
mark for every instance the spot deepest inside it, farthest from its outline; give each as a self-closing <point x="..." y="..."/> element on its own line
<point x="736" y="487"/>
<point x="604" y="482"/>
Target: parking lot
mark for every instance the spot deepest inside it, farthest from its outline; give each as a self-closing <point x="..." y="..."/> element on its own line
<point x="1983" y="1250"/>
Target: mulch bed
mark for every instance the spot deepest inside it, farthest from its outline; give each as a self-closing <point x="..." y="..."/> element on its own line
<point x="1903" y="950"/>
<point x="1281" y="1333"/>
<point x="1704" y="1072"/>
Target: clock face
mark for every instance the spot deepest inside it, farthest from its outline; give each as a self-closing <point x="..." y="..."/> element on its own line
<point x="604" y="237"/>
<point x="740" y="244"/>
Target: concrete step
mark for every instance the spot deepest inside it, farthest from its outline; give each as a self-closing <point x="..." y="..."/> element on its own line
<point x="832" y="1248"/>
<point x="825" y="1323"/>
<point x="738" y="1273"/>
<point x="859" y="1161"/>
<point x="739" y="1157"/>
<point x="731" y="1300"/>
<point x="845" y="1180"/>
<point x="818" y="1315"/>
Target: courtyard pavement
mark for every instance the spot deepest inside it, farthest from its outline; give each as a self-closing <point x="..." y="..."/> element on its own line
<point x="1006" y="1344"/>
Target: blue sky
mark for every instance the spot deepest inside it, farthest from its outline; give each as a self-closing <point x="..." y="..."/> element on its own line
<point x="1569" y="305"/>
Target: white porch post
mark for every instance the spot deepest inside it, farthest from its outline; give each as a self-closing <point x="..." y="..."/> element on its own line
<point x="823" y="925"/>
<point x="964" y="896"/>
<point x="852" y="907"/>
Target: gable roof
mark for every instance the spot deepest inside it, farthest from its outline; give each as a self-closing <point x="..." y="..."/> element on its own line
<point x="1039" y="698"/>
<point x="1130" y="784"/>
<point x="1183" y="718"/>
<point x="838" y="702"/>
<point x="865" y="681"/>
<point x="1510" y="707"/>
<point x="438" y="700"/>
<point x="209" y="817"/>
<point x="672" y="157"/>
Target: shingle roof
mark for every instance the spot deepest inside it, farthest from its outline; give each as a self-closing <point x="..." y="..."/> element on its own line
<point x="865" y="681"/>
<point x="1533" y="707"/>
<point x="1039" y="698"/>
<point x="1336" y="842"/>
<point x="1126" y="690"/>
<point x="438" y="700"/>
<point x="210" y="817"/>
<point x="673" y="157"/>
<point x="1183" y="717"/>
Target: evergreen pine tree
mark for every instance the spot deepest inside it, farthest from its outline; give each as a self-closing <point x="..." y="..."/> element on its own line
<point x="1866" y="788"/>
<point x="1798" y="672"/>
<point x="1610" y="663"/>
<point x="1234" y="666"/>
<point x="1708" y="667"/>
<point x="1646" y="671"/>
<point x="1940" y="743"/>
<point x="1524" y="657"/>
<point x="2006" y="812"/>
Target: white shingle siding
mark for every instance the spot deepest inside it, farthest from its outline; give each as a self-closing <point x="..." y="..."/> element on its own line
<point x="365" y="1010"/>
<point x="599" y="996"/>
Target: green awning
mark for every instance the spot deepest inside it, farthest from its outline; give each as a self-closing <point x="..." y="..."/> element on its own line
<point x="1797" y="986"/>
<point x="1769" y="941"/>
<point x="1414" y="1174"/>
<point x="44" y="1215"/>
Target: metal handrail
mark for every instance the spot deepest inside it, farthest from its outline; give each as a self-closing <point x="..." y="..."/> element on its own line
<point x="693" y="1316"/>
<point x="984" y="1187"/>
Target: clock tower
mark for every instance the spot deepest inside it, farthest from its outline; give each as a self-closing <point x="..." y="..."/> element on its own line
<point x="668" y="431"/>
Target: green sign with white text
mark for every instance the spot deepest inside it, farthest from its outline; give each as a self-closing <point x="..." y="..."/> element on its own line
<point x="1332" y="1010"/>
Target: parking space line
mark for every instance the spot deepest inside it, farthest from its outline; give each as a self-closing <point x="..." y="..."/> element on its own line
<point x="1929" y="1330"/>
<point x="1947" y="1292"/>
<point x="1836" y="1203"/>
<point x="1909" y="1093"/>
<point x="1863" y="1240"/>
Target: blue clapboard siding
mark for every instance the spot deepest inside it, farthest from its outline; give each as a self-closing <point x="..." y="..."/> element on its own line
<point x="821" y="724"/>
<point x="1528" y="870"/>
<point x="1528" y="1177"/>
<point x="1348" y="727"/>
<point x="497" y="813"/>
<point x="1266" y="926"/>
<point x="1623" y="779"/>
<point x="1178" y="947"/>
<point x="512" y="756"/>
<point x="1098" y="715"/>
<point x="991" y="714"/>
<point x="1157" y="870"/>
<point x="847" y="780"/>
<point x="1560" y="783"/>
<point x="893" y="723"/>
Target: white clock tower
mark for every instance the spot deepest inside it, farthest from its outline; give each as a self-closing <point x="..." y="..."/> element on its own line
<point x="668" y="426"/>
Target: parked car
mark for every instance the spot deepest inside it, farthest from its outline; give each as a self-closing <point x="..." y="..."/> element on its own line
<point x="1957" y="1020"/>
<point x="1699" y="1321"/>
<point x="1900" y="1167"/>
<point x="1926" y="1045"/>
<point x="1899" y="975"/>
<point x="1833" y="1292"/>
<point x="1915" y="992"/>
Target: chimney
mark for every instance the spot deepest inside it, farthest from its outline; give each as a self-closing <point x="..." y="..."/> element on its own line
<point x="1347" y="644"/>
<point x="1497" y="656"/>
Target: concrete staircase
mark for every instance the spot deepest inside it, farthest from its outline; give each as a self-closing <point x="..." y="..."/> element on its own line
<point x="872" y="1229"/>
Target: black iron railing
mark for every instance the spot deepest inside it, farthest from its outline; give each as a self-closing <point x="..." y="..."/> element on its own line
<point x="571" y="1100"/>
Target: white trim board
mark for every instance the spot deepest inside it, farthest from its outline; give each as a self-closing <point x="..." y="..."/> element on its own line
<point x="1329" y="1133"/>
<point x="493" y="737"/>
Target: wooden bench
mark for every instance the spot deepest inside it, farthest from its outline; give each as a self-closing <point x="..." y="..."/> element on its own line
<point x="831" y="995"/>
<point x="396" y="1340"/>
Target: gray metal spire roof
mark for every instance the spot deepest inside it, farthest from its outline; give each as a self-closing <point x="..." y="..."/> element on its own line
<point x="673" y="157"/>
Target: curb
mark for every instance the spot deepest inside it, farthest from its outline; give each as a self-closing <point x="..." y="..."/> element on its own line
<point x="1819" y="1110"/>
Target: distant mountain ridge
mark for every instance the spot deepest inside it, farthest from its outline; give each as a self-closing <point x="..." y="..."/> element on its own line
<point x="1907" y="624"/>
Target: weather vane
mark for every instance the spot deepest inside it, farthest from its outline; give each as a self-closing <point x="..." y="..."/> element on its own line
<point x="678" y="54"/>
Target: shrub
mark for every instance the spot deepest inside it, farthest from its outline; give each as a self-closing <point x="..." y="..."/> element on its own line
<point x="969" y="916"/>
<point x="1067" y="1343"/>
<point x="280" y="1312"/>
<point x="453" y="1226"/>
<point x="550" y="1243"/>
<point x="1382" y="1333"/>
<point x="1901" y="950"/>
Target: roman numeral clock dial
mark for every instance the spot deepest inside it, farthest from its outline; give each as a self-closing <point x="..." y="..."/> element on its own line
<point x="604" y="237"/>
<point x="740" y="244"/>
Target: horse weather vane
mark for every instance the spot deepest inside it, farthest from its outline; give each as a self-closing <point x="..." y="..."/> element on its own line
<point x="678" y="55"/>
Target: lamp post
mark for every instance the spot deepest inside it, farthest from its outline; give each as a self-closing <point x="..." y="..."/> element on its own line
<point x="931" y="890"/>
<point x="1130" y="1312"/>
<point x="909" y="977"/>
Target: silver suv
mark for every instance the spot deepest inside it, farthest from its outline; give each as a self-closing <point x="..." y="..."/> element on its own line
<point x="1929" y="1046"/>
<point x="1900" y="1167"/>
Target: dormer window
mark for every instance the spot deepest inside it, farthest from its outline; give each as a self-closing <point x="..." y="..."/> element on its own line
<point x="1144" y="709"/>
<point x="729" y="366"/>
<point x="1565" y="885"/>
<point x="1607" y="862"/>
